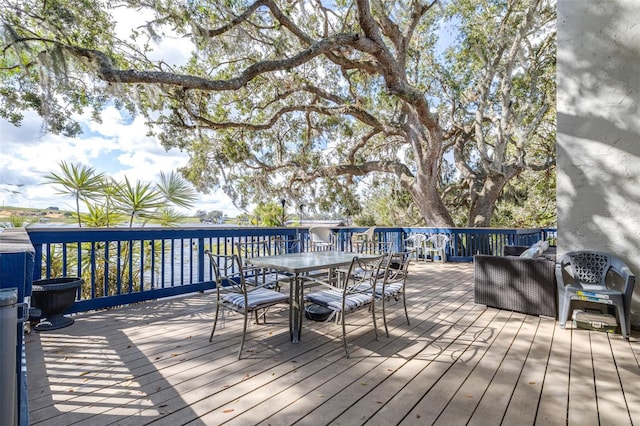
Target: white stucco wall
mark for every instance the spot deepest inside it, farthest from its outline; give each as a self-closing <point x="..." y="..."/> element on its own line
<point x="598" y="140"/>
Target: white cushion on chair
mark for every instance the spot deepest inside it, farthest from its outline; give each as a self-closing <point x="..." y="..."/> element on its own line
<point x="333" y="299"/>
<point x="390" y="289"/>
<point x="257" y="297"/>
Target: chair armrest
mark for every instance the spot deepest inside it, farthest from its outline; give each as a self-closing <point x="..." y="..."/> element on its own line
<point x="621" y="268"/>
<point x="559" y="268"/>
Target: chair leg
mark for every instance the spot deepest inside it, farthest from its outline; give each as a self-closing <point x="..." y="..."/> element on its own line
<point x="624" y="324"/>
<point x="564" y="303"/>
<point x="215" y="321"/>
<point x="344" y="335"/>
<point x="384" y="316"/>
<point x="373" y="315"/>
<point x="244" y="333"/>
<point x="404" y="302"/>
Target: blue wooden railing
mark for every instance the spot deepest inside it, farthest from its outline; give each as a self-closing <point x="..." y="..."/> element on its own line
<point x="123" y="266"/>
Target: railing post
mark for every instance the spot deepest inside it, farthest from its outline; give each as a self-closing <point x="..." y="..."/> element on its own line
<point x="201" y="259"/>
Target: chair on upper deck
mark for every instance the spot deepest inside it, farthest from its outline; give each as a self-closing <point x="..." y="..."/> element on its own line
<point x="436" y="245"/>
<point x="351" y="293"/>
<point x="322" y="238"/>
<point x="359" y="238"/>
<point x="396" y="269"/>
<point x="415" y="244"/>
<point x="285" y="245"/>
<point x="588" y="271"/>
<point x="233" y="293"/>
<point x="369" y="242"/>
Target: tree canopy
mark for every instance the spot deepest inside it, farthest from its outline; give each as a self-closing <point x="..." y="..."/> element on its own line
<point x="309" y="100"/>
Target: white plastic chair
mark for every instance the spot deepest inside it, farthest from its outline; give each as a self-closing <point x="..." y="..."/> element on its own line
<point x="436" y="245"/>
<point x="321" y="238"/>
<point x="368" y="235"/>
<point x="414" y="244"/>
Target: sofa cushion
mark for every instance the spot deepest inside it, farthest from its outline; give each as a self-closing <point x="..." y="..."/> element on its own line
<point x="531" y="252"/>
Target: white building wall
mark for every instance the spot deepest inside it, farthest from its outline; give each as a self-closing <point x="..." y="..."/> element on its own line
<point x="598" y="142"/>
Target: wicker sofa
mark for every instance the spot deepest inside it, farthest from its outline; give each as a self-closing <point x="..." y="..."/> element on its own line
<point x="516" y="283"/>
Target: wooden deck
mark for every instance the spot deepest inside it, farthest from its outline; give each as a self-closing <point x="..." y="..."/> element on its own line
<point x="457" y="363"/>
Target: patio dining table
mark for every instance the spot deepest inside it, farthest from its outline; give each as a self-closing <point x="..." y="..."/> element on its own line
<point x="299" y="264"/>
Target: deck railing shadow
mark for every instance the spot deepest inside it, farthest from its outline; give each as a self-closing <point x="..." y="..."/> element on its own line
<point x="88" y="375"/>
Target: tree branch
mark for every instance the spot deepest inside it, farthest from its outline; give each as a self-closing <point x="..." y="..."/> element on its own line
<point x="234" y="22"/>
<point x="107" y="72"/>
<point x="395" y="167"/>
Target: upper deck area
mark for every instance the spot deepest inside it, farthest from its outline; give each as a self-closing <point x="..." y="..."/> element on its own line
<point x="456" y="363"/>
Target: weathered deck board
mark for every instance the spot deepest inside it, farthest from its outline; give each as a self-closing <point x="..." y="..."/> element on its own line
<point x="627" y="365"/>
<point x="455" y="363"/>
<point x="523" y="405"/>
<point x="582" y="392"/>
<point x="611" y="407"/>
<point x="497" y="397"/>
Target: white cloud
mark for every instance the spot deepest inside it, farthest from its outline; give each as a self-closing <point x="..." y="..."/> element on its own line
<point x="118" y="149"/>
<point x="172" y="50"/>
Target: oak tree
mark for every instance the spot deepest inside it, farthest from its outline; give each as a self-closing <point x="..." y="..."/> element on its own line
<point x="311" y="99"/>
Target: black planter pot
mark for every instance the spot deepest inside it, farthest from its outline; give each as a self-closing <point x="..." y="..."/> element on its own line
<point x="317" y="313"/>
<point x="53" y="297"/>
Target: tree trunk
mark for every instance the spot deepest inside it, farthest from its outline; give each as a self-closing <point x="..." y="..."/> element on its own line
<point x="430" y="204"/>
<point x="425" y="136"/>
<point x="484" y="203"/>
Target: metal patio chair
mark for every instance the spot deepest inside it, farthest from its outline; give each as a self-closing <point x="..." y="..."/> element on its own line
<point x="254" y="275"/>
<point x="351" y="293"/>
<point x="233" y="293"/>
<point x="393" y="284"/>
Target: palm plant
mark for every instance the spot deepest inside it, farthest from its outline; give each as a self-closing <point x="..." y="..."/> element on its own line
<point x="114" y="264"/>
<point x="167" y="216"/>
<point x="15" y="221"/>
<point x="109" y="189"/>
<point x="80" y="181"/>
<point x="139" y="200"/>
<point x="176" y="190"/>
<point x="98" y="216"/>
